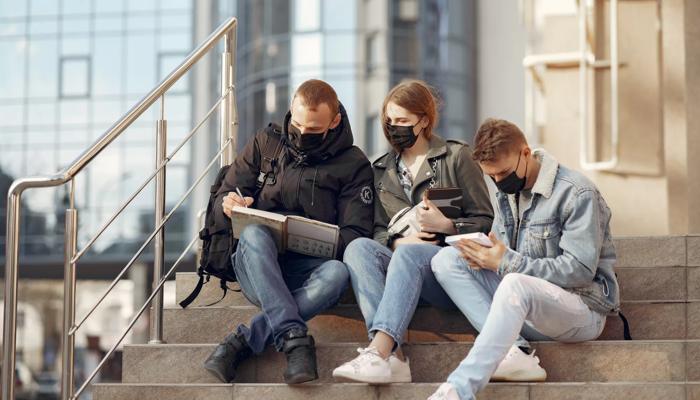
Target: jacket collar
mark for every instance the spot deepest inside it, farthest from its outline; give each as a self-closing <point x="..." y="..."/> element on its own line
<point x="549" y="167"/>
<point x="544" y="185"/>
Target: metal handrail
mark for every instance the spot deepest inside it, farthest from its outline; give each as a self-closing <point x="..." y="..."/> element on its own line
<point x="146" y="242"/>
<point x="148" y="180"/>
<point x="229" y="125"/>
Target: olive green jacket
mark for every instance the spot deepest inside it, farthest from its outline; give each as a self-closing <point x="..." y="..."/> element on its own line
<point x="448" y="164"/>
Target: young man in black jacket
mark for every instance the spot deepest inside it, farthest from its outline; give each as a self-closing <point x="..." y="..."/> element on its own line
<point x="315" y="171"/>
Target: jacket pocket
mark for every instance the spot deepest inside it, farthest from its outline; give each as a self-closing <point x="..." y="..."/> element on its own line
<point x="543" y="238"/>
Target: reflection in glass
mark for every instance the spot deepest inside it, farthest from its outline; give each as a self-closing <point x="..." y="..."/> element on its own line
<point x="11" y="115"/>
<point x="307" y="15"/>
<point x="339" y="15"/>
<point x="43" y="68"/>
<point x="108" y="65"/>
<point x="75" y="76"/>
<point x="43" y="7"/>
<point x="41" y="113"/>
<point x="73" y="111"/>
<point x="141" y="63"/>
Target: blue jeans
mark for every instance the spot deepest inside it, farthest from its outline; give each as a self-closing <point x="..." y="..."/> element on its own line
<point x="289" y="288"/>
<point x="388" y="286"/>
<point x="508" y="310"/>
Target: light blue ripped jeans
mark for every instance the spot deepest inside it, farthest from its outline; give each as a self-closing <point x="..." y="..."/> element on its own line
<point x="508" y="310"/>
<point x="389" y="285"/>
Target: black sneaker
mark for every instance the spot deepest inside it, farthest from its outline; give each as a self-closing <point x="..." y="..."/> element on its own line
<point x="301" y="358"/>
<point x="224" y="361"/>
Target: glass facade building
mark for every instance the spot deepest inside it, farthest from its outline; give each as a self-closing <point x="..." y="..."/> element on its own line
<point x="69" y="69"/>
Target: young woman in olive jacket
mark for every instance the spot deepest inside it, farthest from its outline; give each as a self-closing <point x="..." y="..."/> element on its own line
<point x="391" y="273"/>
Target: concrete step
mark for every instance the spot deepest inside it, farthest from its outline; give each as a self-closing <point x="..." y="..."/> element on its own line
<point x="344" y="323"/>
<point x="600" y="361"/>
<point x="636" y="283"/>
<point x="417" y="391"/>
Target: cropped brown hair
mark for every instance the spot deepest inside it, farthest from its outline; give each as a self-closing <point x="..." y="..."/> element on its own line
<point x="495" y="138"/>
<point x="315" y="92"/>
<point x="418" y="98"/>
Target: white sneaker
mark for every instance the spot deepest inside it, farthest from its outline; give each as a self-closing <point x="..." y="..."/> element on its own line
<point x="400" y="370"/>
<point x="368" y="367"/>
<point x="519" y="367"/>
<point x="445" y="392"/>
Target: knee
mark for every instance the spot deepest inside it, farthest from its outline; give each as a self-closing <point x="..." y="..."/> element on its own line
<point x="515" y="284"/>
<point x="254" y="233"/>
<point x="358" y="247"/>
<point x="357" y="252"/>
<point x="446" y="261"/>
<point x="335" y="275"/>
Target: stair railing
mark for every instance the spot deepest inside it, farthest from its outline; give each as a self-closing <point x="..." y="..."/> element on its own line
<point x="226" y="104"/>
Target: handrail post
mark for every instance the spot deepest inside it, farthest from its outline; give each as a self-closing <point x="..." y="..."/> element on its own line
<point x="233" y="105"/>
<point x="226" y="104"/>
<point x="9" y="332"/>
<point x="159" y="239"/>
<point x="69" y="284"/>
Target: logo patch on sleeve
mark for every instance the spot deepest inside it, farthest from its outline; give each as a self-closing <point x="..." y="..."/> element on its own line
<point x="366" y="195"/>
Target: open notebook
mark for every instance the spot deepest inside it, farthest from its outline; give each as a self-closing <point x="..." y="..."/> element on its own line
<point x="291" y="232"/>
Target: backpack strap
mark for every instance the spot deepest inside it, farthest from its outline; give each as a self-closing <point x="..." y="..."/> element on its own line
<point x="197" y="289"/>
<point x="626" y="327"/>
<point x="269" y="155"/>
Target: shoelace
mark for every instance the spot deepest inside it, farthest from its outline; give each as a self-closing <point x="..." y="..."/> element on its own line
<point x="364" y="354"/>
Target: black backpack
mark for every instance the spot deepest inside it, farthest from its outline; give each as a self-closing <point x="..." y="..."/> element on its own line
<point x="218" y="243"/>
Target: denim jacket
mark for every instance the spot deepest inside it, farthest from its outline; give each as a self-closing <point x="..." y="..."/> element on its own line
<point x="564" y="236"/>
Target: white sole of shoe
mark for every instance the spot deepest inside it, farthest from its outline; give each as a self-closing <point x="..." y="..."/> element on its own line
<point x="371" y="380"/>
<point x="522" y="376"/>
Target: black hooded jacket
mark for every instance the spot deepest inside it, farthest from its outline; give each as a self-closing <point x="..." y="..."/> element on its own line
<point x="332" y="184"/>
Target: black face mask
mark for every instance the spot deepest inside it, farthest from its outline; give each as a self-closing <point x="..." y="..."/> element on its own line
<point x="401" y="137"/>
<point x="307" y="142"/>
<point x="512" y="183"/>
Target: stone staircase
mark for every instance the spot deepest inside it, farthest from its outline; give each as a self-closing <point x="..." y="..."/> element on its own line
<point x="660" y="279"/>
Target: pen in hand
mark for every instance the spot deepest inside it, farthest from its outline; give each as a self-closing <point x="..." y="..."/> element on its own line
<point x="245" y="203"/>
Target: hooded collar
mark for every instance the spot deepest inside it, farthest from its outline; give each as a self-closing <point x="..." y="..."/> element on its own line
<point x="337" y="140"/>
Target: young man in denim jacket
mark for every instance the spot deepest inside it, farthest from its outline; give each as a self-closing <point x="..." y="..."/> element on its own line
<point x="549" y="274"/>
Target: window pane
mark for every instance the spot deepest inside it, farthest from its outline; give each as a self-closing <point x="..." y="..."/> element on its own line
<point x="75" y="77"/>
<point x="176" y="42"/>
<point x="140" y="22"/>
<point x="41" y="113"/>
<point x="306" y="15"/>
<point x="11" y="115"/>
<point x="43" y="68"/>
<point x="141" y="5"/>
<point x="13" y="8"/>
<point x="339" y="49"/>
<point x="339" y="15"/>
<point x="306" y="50"/>
<point x="75" y="46"/>
<point x="74" y="112"/>
<point x="75" y="25"/>
<point x="141" y="64"/>
<point x="109" y="6"/>
<point x="43" y="27"/>
<point x="43" y="7"/>
<point x="12" y="28"/>
<point x="183" y="5"/>
<point x="109" y="23"/>
<point x="12" y="76"/>
<point x="44" y="138"/>
<point x="108" y="66"/>
<point x="75" y="7"/>
<point x="175" y="21"/>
